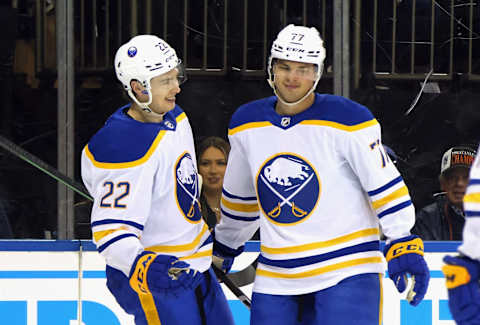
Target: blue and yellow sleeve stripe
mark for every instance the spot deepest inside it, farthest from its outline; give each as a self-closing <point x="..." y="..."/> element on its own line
<point x="242" y="208"/>
<point x="109" y="231"/>
<point x="471" y="200"/>
<point x="390" y="198"/>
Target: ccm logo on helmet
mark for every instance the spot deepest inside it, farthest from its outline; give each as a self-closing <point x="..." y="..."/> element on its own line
<point x="293" y="49"/>
<point x="171" y="57"/>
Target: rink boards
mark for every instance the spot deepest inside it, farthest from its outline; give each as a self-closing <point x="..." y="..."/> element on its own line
<point x="40" y="285"/>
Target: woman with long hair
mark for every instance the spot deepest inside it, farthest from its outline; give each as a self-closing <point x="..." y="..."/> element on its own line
<point x="212" y="155"/>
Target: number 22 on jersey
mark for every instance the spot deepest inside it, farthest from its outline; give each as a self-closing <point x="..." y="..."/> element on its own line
<point x="114" y="194"/>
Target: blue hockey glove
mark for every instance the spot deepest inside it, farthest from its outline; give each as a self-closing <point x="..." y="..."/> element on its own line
<point x="405" y="256"/>
<point x="162" y="275"/>
<point x="462" y="275"/>
<point x="223" y="263"/>
<point x="223" y="256"/>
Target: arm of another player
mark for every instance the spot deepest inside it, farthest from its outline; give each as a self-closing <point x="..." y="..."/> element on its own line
<point x="391" y="201"/>
<point x="239" y="208"/>
<point x="462" y="273"/>
<point x="462" y="276"/>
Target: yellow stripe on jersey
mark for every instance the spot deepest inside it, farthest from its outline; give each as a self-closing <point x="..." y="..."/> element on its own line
<point x="246" y="126"/>
<point x="181" y="117"/>
<point x="130" y="163"/>
<point x="179" y="248"/>
<point x="321" y="270"/>
<point x="472" y="198"/>
<point x="336" y="125"/>
<point x="241" y="207"/>
<point x="206" y="253"/>
<point x="402" y="191"/>
<point x="322" y="244"/>
<point x="98" y="235"/>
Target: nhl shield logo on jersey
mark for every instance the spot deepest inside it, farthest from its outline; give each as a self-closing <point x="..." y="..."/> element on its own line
<point x="288" y="189"/>
<point x="285" y="121"/>
<point x="186" y="188"/>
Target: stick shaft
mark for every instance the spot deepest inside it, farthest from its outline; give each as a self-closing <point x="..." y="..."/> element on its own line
<point x="36" y="162"/>
<point x="232" y="287"/>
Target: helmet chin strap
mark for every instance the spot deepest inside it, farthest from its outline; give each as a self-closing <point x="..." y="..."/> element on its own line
<point x="144" y="106"/>
<point x="271" y="83"/>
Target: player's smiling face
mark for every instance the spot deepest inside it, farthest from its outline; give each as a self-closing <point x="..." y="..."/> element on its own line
<point x="164" y="89"/>
<point x="293" y="79"/>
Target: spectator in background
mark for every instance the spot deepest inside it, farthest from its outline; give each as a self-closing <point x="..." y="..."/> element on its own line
<point x="212" y="155"/>
<point x="444" y="219"/>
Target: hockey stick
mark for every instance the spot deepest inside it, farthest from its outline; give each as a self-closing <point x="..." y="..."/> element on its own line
<point x="80" y="189"/>
<point x="245" y="276"/>
<point x="232" y="287"/>
<point x="44" y="167"/>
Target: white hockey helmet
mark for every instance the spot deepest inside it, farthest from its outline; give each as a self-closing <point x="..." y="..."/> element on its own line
<point x="300" y="44"/>
<point x="142" y="58"/>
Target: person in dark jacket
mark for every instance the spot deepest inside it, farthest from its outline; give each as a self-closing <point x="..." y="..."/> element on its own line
<point x="444" y="219"/>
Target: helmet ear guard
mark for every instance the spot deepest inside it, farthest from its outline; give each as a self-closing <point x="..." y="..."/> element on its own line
<point x="299" y="44"/>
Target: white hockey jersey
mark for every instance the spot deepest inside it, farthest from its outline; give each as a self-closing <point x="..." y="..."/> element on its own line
<point x="471" y="205"/>
<point x="143" y="179"/>
<point x="318" y="184"/>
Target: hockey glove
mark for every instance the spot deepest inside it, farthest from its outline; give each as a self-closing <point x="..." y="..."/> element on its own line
<point x="162" y="275"/>
<point x="405" y="256"/>
<point x="223" y="263"/>
<point x="223" y="256"/>
<point x="462" y="275"/>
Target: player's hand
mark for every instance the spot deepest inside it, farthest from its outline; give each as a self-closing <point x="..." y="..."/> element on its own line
<point x="462" y="275"/>
<point x="162" y="275"/>
<point x="223" y="263"/>
<point x="405" y="257"/>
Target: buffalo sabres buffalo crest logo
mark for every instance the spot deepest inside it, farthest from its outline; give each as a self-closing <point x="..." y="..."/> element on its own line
<point x="186" y="188"/>
<point x="288" y="189"/>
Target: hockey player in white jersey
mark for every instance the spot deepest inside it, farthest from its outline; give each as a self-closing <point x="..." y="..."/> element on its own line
<point x="310" y="170"/>
<point x="462" y="273"/>
<point x="140" y="168"/>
